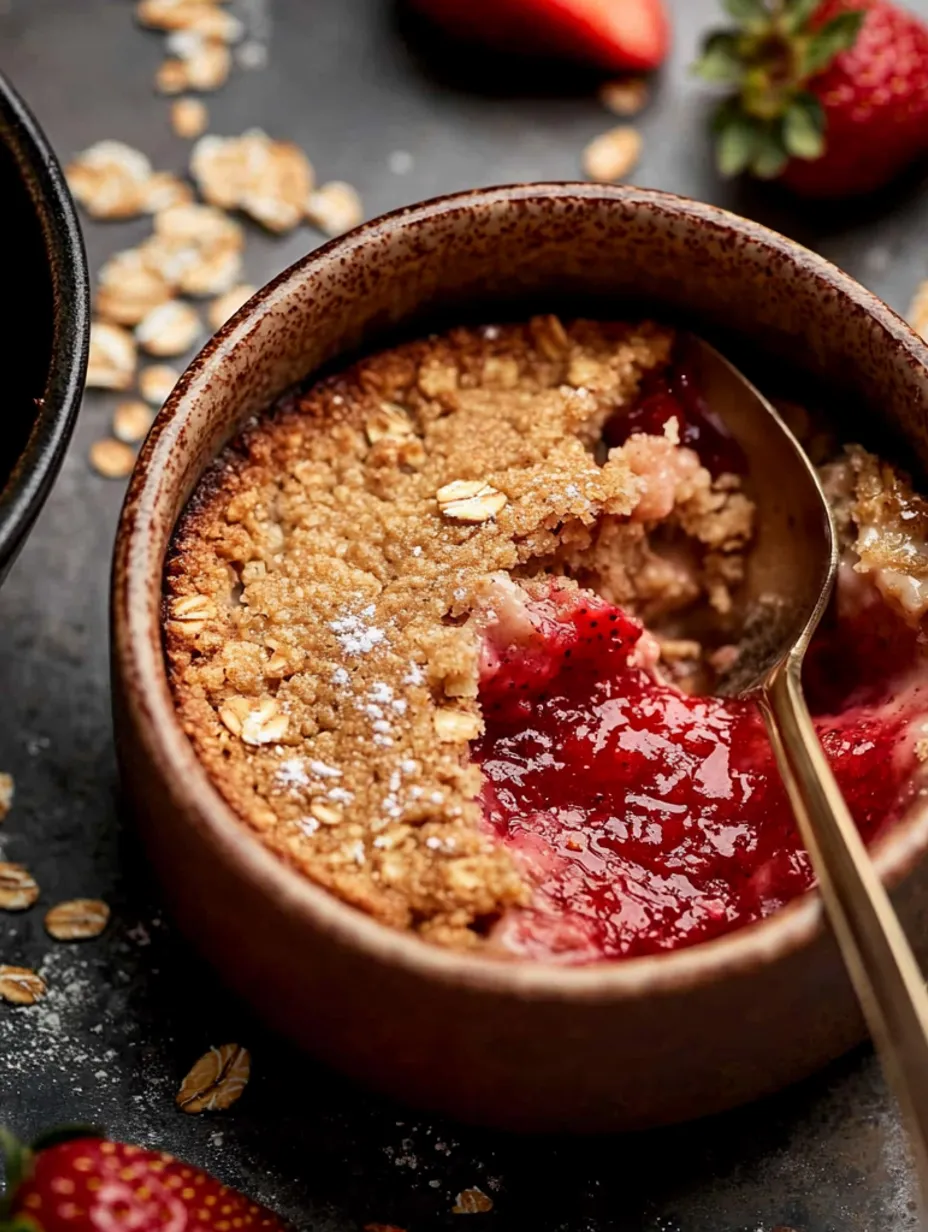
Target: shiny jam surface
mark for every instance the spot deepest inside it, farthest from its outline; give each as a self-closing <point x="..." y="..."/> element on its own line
<point x="645" y="819"/>
<point x="648" y="820"/>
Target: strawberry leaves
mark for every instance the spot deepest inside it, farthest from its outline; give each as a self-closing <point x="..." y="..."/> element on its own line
<point x="720" y="60"/>
<point x="839" y="34"/>
<point x="767" y="58"/>
<point x="804" y="127"/>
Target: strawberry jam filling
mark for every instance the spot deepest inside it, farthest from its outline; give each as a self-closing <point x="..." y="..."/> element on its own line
<point x="646" y="819"/>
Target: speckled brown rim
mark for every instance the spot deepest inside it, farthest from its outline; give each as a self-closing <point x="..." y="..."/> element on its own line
<point x="139" y="658"/>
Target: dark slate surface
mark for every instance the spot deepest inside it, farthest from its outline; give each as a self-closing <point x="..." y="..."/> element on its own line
<point x="128" y="1014"/>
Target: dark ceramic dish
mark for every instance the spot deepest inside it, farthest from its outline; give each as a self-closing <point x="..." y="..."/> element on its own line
<point x="44" y="348"/>
<point x="523" y="1045"/>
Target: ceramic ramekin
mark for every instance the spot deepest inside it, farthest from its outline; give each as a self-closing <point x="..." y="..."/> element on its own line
<point x="526" y="1046"/>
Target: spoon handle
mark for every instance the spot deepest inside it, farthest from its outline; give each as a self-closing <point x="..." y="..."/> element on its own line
<point x="879" y="959"/>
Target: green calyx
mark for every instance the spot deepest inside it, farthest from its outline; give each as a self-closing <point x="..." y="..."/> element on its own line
<point x="768" y="58"/>
<point x="18" y="1162"/>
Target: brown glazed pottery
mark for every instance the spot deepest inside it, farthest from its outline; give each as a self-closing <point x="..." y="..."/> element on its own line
<point x="510" y="1044"/>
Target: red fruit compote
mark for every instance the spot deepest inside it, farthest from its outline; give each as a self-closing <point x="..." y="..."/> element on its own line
<point x="646" y="817"/>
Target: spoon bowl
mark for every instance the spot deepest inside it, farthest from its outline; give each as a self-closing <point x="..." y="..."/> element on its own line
<point x="793" y="562"/>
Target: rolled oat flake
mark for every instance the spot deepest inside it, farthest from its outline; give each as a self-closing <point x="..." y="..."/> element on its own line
<point x="78" y="919"/>
<point x="18" y="889"/>
<point x="216" y="1081"/>
<point x="20" y="985"/>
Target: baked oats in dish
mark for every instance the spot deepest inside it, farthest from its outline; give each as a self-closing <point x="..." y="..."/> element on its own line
<point x="444" y="630"/>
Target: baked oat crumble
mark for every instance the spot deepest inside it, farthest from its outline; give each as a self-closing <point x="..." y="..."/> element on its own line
<point x="329" y="583"/>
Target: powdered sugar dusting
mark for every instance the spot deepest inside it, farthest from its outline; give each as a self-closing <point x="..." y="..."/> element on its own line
<point x="355" y="634"/>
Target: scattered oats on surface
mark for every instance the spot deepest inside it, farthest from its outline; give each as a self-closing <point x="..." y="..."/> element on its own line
<point x="198" y="16"/>
<point x="111" y="459"/>
<point x="921" y="749"/>
<point x="6" y="794"/>
<point x="612" y="155"/>
<point x="208" y="66"/>
<point x="216" y="1081"/>
<point x="171" y="77"/>
<point x="335" y="208"/>
<point x="470" y="500"/>
<point x="201" y="225"/>
<point x="189" y="117"/>
<point x="918" y="312"/>
<point x="472" y="1202"/>
<point x="626" y="96"/>
<point x="111" y="362"/>
<point x="18" y="889"/>
<point x="196" y="249"/>
<point x="156" y="382"/>
<point x="164" y="190"/>
<point x="131" y="420"/>
<point x="213" y="273"/>
<point x="79" y="919"/>
<point x="270" y="180"/>
<point x="225" y="306"/>
<point x="195" y="63"/>
<point x="169" y="329"/>
<point x="128" y="288"/>
<point x="20" y="985"/>
<point x="110" y="179"/>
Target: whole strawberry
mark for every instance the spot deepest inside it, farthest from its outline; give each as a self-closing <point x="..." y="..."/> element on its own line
<point x="73" y="1181"/>
<point x="829" y="95"/>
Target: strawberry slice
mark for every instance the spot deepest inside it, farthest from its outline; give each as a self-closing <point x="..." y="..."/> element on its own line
<point x="612" y="34"/>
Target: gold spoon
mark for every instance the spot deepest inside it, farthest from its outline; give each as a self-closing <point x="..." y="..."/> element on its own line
<point x="790" y="577"/>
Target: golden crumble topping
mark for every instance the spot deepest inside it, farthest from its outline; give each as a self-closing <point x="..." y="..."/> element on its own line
<point x="323" y="594"/>
<point x="884" y="524"/>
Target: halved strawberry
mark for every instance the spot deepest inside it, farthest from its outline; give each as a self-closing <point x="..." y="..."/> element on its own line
<point x="612" y="34"/>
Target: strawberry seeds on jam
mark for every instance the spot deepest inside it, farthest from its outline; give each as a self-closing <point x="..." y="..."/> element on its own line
<point x="646" y="819"/>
